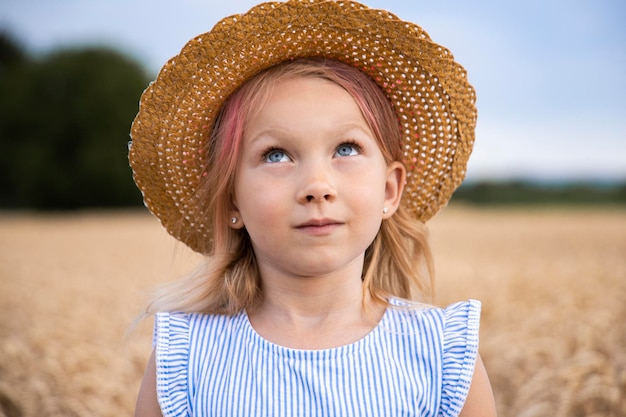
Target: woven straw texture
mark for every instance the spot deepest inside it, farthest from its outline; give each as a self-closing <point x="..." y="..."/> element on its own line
<point x="429" y="92"/>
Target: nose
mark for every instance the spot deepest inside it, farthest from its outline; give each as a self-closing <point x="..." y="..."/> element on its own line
<point x="317" y="185"/>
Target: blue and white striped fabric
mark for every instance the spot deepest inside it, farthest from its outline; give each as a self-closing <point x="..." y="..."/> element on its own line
<point x="417" y="362"/>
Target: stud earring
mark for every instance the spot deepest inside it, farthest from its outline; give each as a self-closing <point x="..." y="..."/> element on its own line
<point x="233" y="220"/>
<point x="385" y="210"/>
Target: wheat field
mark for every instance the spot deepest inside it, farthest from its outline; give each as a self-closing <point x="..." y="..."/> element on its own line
<point x="552" y="283"/>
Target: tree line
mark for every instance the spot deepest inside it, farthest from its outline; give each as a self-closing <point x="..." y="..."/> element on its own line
<point x="528" y="193"/>
<point x="64" y="127"/>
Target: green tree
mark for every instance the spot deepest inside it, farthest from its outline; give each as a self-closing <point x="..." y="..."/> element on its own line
<point x="65" y="122"/>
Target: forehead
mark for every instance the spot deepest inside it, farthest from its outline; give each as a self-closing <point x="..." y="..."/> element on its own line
<point x="305" y="102"/>
<point x="303" y="89"/>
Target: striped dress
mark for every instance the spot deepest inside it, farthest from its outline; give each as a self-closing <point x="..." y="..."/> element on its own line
<point x="417" y="362"/>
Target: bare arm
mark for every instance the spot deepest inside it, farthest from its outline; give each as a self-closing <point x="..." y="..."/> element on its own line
<point x="147" y="403"/>
<point x="479" y="400"/>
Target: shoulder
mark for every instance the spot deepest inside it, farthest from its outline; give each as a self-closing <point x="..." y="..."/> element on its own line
<point x="460" y="354"/>
<point x="453" y="319"/>
<point x="451" y="330"/>
<point x="178" y="326"/>
<point x="449" y="336"/>
<point x="182" y="341"/>
<point x="181" y="337"/>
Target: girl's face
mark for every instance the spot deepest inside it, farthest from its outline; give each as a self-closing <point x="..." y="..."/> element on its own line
<point x="311" y="183"/>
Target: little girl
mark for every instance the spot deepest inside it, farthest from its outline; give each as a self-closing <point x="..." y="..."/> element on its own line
<point x="301" y="147"/>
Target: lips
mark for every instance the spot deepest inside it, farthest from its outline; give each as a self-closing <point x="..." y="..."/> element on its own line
<point x="319" y="226"/>
<point x="319" y="223"/>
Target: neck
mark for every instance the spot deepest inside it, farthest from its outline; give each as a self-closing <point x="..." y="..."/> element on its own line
<point x="314" y="304"/>
<point x="312" y="296"/>
<point x="314" y="312"/>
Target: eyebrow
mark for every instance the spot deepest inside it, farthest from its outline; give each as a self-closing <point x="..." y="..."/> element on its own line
<point x="341" y="130"/>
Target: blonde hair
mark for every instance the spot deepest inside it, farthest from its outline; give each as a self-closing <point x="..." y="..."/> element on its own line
<point x="397" y="263"/>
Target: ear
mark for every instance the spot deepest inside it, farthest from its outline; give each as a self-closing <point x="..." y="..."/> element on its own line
<point x="396" y="178"/>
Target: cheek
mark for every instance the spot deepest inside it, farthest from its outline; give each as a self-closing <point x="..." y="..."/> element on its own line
<point x="258" y="200"/>
<point x="264" y="220"/>
<point x="367" y="184"/>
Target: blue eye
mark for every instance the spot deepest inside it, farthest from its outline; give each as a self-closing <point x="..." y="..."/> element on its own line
<point x="275" y="155"/>
<point x="348" y="149"/>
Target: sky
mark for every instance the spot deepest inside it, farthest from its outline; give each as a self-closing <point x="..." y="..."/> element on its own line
<point x="550" y="75"/>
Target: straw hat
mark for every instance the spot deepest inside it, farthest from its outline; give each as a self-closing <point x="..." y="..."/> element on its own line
<point x="429" y="92"/>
